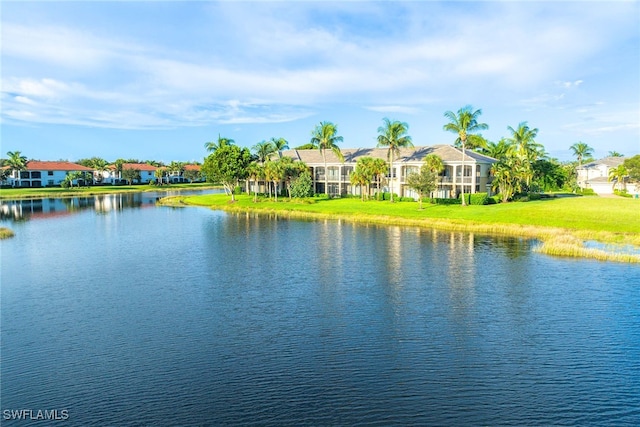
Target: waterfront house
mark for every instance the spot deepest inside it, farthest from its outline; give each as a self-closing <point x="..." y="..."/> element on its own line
<point x="44" y="174"/>
<point x="112" y="176"/>
<point x="476" y="176"/>
<point x="595" y="175"/>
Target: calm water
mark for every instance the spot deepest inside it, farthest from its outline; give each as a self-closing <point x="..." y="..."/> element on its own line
<point x="158" y="316"/>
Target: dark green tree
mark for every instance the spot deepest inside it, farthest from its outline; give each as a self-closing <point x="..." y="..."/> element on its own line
<point x="633" y="167"/>
<point x="227" y="165"/>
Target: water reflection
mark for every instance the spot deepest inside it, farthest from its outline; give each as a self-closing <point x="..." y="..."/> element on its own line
<point x="43" y="208"/>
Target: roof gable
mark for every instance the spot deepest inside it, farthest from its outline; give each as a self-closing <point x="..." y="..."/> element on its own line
<point x="34" y="165"/>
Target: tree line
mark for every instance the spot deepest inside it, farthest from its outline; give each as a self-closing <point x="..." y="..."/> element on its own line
<point x="522" y="166"/>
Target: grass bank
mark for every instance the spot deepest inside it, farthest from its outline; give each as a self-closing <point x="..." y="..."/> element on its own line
<point x="5" y="233"/>
<point x="34" y="193"/>
<point x="562" y="224"/>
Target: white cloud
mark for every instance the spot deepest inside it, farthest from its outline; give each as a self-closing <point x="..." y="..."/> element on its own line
<point x="272" y="62"/>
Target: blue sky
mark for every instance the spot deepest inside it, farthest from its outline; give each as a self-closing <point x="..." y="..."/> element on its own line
<point x="156" y="80"/>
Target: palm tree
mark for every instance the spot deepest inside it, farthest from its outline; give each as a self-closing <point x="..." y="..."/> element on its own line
<point x="212" y="146"/>
<point x="175" y="167"/>
<point x="615" y="154"/>
<point x="524" y="147"/>
<point x="360" y="178"/>
<point x="325" y="138"/>
<point x="159" y="174"/>
<point x="581" y="150"/>
<point x="433" y="163"/>
<point x="255" y="173"/>
<point x="274" y="172"/>
<point x="497" y="150"/>
<point x="263" y="150"/>
<point x="99" y="165"/>
<point x="16" y="161"/>
<point x="393" y="134"/>
<point x="279" y="144"/>
<point x="618" y="175"/>
<point x="378" y="168"/>
<point x="464" y="123"/>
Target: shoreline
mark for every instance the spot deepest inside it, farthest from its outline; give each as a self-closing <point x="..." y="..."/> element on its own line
<point x="554" y="241"/>
<point x="91" y="191"/>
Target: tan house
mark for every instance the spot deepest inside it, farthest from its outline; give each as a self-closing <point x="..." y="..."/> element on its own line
<point x="475" y="178"/>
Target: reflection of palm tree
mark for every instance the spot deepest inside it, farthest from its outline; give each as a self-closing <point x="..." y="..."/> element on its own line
<point x="393" y="134"/>
<point x="325" y="138"/>
<point x="212" y="146"/>
<point x="464" y="123"/>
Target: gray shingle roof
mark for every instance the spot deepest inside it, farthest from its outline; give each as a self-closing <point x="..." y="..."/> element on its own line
<point x="611" y="162"/>
<point x="416" y="154"/>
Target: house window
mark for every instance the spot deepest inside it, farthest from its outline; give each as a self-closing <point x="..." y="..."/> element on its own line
<point x="50" y="182"/>
<point x="50" y="173"/>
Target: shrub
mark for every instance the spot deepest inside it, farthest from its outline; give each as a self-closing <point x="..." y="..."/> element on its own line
<point x="494" y="200"/>
<point x="622" y="193"/>
<point x="237" y="190"/>
<point x="586" y="192"/>
<point x="478" y="199"/>
<point x="302" y="186"/>
<point x="447" y="201"/>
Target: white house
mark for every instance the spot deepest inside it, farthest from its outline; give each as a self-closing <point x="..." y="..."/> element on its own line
<point x="475" y="178"/>
<point x="44" y="174"/>
<point x="595" y="175"/>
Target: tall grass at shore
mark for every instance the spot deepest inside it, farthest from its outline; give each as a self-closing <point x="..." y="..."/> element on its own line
<point x="574" y="219"/>
<point x="6" y="233"/>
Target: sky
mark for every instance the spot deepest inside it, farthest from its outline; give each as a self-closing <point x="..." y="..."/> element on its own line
<point x="156" y="80"/>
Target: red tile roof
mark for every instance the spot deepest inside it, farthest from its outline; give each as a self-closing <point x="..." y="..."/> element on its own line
<point x="35" y="165"/>
<point x="139" y="166"/>
<point x="192" y="167"/>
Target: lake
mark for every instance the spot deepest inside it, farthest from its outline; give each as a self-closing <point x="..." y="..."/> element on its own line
<point x="118" y="312"/>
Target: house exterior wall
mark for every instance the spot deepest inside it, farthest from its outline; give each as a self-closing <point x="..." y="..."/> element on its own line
<point x="476" y="177"/>
<point x="40" y="177"/>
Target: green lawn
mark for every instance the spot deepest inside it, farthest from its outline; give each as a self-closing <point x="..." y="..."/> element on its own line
<point x="605" y="219"/>
<point x="617" y="215"/>
<point x="18" y="193"/>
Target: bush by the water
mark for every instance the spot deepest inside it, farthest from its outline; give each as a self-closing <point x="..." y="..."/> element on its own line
<point x="476" y="198"/>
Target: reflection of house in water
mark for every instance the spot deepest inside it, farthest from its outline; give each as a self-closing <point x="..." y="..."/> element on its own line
<point x="25" y="209"/>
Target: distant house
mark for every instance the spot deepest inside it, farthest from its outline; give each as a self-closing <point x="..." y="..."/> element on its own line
<point x="475" y="178"/>
<point x="112" y="176"/>
<point x="44" y="174"/>
<point x="595" y="175"/>
<point x="177" y="177"/>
